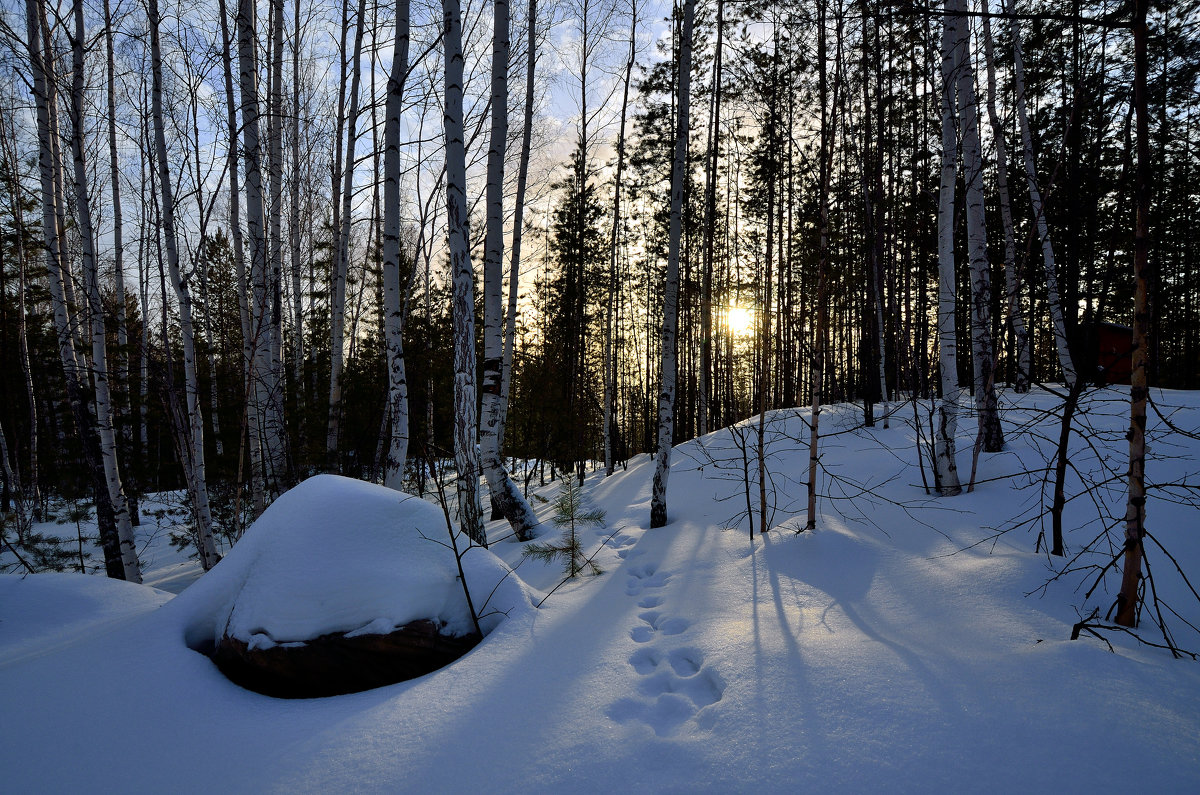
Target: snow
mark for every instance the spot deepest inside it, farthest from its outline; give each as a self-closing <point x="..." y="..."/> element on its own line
<point x="895" y="648"/>
<point x="394" y="565"/>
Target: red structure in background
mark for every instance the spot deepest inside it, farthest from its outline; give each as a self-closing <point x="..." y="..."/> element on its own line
<point x="1114" y="353"/>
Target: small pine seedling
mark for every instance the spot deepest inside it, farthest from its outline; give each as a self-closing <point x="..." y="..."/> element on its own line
<point x="572" y="515"/>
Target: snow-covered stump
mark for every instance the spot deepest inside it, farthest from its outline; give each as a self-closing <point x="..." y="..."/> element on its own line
<point x="342" y="586"/>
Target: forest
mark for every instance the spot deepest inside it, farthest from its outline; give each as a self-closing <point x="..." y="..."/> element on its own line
<point x="245" y="243"/>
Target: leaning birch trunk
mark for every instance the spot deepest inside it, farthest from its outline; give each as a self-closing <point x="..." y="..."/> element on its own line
<point x="945" y="468"/>
<point x="260" y="364"/>
<point x="337" y="310"/>
<point x="505" y="494"/>
<point x="393" y="302"/>
<point x="1039" y="211"/>
<point x="990" y="432"/>
<point x="1012" y="281"/>
<point x="194" y="471"/>
<point x="1139" y="390"/>
<point x="514" y="260"/>
<point x="258" y="496"/>
<point x="666" y="396"/>
<point x="102" y="399"/>
<point x="466" y="452"/>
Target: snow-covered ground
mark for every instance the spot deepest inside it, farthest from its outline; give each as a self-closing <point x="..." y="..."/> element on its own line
<point x="896" y="648"/>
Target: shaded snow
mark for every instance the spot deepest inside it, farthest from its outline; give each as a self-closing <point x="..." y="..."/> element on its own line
<point x="894" y="649"/>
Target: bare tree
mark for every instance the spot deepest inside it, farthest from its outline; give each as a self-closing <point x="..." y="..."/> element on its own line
<point x="466" y="452"/>
<point x="504" y="492"/>
<point x="945" y="468"/>
<point x="670" y="321"/>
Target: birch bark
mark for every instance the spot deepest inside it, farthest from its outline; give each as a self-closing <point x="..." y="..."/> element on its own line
<point x="505" y="494"/>
<point x="466" y="451"/>
<point x="194" y="469"/>
<point x="1039" y="211"/>
<point x="945" y="467"/>
<point x="982" y="360"/>
<point x="393" y="301"/>
<point x="670" y="323"/>
<point x="102" y="398"/>
<point x="1012" y="280"/>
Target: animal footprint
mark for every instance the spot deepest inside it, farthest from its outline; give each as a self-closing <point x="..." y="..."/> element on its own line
<point x="685" y="662"/>
<point x="644" y="661"/>
<point x="651" y="601"/>
<point x="645" y="575"/>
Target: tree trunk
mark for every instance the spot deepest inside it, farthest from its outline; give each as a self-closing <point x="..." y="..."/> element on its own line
<point x="466" y="452"/>
<point x="990" y="431"/>
<point x="505" y="494"/>
<point x="337" y="309"/>
<point x="710" y="219"/>
<point x="1139" y="390"/>
<point x="945" y="468"/>
<point x="670" y="322"/>
<point x="102" y="398"/>
<point x="1035" y="198"/>
<point x="194" y="471"/>
<point x="393" y="302"/>
<point x="1012" y="279"/>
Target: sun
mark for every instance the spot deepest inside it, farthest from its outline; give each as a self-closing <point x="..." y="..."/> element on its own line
<point x="739" y="320"/>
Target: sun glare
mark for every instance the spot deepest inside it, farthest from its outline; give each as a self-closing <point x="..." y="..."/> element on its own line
<point x="740" y="320"/>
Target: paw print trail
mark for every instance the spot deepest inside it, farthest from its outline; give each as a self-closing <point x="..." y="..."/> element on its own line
<point x="675" y="685"/>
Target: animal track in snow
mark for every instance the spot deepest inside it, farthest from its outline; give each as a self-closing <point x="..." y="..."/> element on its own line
<point x="643" y="576"/>
<point x="650" y="601"/>
<point x="679" y="690"/>
<point x="622" y="544"/>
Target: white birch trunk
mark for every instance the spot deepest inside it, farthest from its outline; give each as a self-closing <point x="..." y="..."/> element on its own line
<point x="990" y="432"/>
<point x="466" y="451"/>
<point x="505" y="494"/>
<point x="666" y="396"/>
<point x="194" y="470"/>
<point x="1012" y="280"/>
<point x="102" y="397"/>
<point x="260" y="364"/>
<point x="393" y="301"/>
<point x="946" y="417"/>
<point x="1039" y="211"/>
<point x="257" y="486"/>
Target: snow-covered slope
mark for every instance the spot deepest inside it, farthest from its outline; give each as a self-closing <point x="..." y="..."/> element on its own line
<point x="893" y="649"/>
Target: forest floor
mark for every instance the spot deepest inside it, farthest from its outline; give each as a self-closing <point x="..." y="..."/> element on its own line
<point x="909" y="643"/>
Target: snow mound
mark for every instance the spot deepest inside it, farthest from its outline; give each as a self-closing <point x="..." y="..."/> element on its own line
<point x="336" y="555"/>
<point x="40" y="611"/>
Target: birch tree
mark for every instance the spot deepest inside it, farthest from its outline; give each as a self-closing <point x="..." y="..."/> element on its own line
<point x="990" y="431"/>
<point x="1035" y="198"/>
<point x="466" y="453"/>
<point x="394" y="303"/>
<point x="1012" y="280"/>
<point x="945" y="467"/>
<point x="193" y="459"/>
<point x="504" y="492"/>
<point x="670" y="321"/>
<point x="102" y="394"/>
